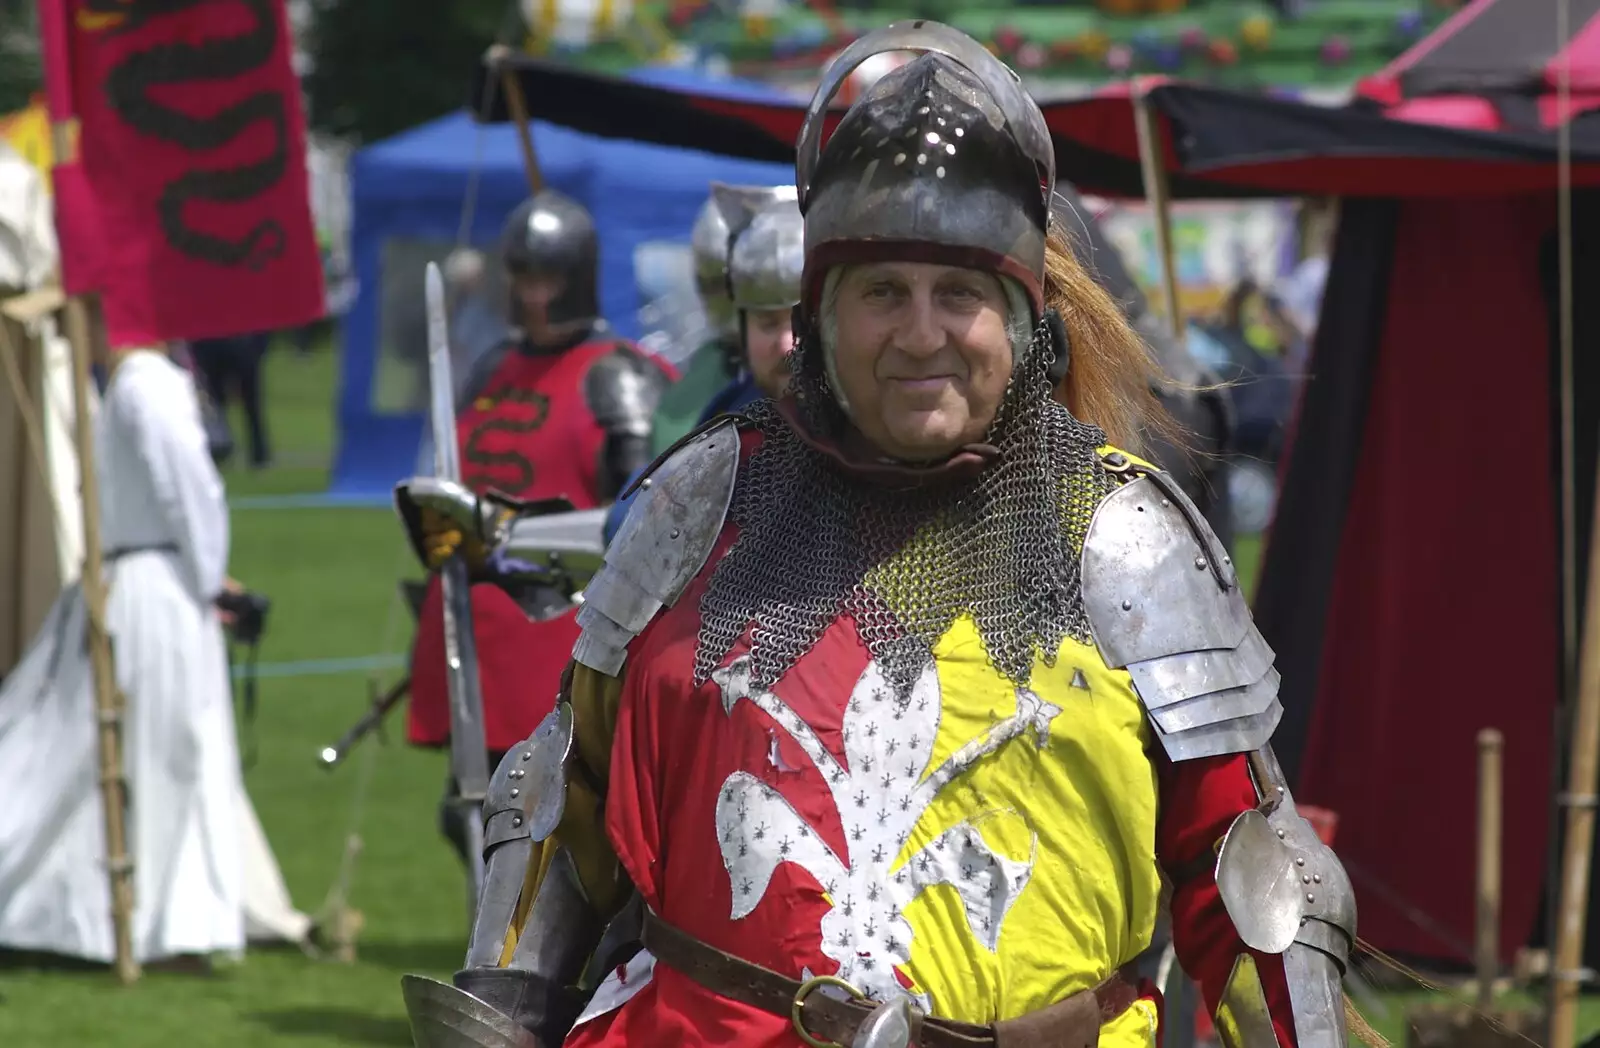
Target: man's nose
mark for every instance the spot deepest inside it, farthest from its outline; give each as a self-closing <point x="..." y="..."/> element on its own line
<point x="921" y="335"/>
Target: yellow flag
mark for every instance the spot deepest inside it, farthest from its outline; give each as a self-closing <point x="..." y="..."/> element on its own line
<point x="28" y="132"/>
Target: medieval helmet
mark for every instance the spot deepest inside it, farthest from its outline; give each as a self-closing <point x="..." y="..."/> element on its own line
<point x="946" y="154"/>
<point x="551" y="234"/>
<point x="766" y="256"/>
<point x="710" y="242"/>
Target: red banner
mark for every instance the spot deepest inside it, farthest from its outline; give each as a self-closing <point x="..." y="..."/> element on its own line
<point x="185" y="205"/>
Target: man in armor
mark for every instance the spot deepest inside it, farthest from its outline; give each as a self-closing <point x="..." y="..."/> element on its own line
<point x="766" y="254"/>
<point x="721" y="359"/>
<point x="560" y="410"/>
<point x="897" y="699"/>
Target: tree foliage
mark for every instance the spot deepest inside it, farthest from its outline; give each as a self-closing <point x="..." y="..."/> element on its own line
<point x="381" y="67"/>
<point x="21" y="70"/>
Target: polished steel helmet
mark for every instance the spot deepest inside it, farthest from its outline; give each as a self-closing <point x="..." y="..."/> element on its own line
<point x="767" y="256"/>
<point x="551" y="234"/>
<point x="709" y="242"/>
<point x="945" y="158"/>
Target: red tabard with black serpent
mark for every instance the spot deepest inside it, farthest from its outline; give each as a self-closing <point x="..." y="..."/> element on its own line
<point x="528" y="433"/>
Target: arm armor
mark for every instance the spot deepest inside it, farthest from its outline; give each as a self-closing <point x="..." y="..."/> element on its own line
<point x="531" y="1000"/>
<point x="622" y="390"/>
<point x="661" y="546"/>
<point x="1163" y="602"/>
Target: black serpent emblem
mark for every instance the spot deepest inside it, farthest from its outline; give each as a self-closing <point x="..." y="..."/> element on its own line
<point x="127" y="86"/>
<point x="483" y="462"/>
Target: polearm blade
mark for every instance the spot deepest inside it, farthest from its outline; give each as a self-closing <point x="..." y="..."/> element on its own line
<point x="469" y="758"/>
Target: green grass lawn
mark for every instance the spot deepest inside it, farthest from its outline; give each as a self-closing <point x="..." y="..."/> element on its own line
<point x="331" y="575"/>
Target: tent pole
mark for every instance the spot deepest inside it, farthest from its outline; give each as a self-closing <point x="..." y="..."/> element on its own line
<point x="1583" y="686"/>
<point x="108" y="704"/>
<point x="21" y="352"/>
<point x="1579" y="801"/>
<point x="1156" y="191"/>
<point x="1491" y="744"/>
<point x="517" y="102"/>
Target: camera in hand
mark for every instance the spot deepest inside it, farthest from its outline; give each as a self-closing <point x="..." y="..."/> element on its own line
<point x="249" y="612"/>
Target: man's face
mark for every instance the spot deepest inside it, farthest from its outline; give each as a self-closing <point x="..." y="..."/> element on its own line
<point x="768" y="345"/>
<point x="534" y="293"/>
<point x="922" y="355"/>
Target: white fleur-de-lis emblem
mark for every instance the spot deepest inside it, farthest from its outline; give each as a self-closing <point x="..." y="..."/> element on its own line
<point x="881" y="792"/>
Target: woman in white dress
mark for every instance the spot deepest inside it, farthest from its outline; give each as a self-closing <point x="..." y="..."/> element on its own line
<point x="204" y="877"/>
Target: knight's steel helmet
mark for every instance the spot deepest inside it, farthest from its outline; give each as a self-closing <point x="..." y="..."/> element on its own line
<point x="551" y="234"/>
<point x="709" y="242"/>
<point x="946" y="155"/>
<point x="766" y="256"/>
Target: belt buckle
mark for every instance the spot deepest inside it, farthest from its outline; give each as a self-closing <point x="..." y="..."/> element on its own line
<point x="807" y="988"/>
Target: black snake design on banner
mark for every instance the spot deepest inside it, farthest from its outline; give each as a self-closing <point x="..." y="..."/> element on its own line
<point x="485" y="467"/>
<point x="127" y="87"/>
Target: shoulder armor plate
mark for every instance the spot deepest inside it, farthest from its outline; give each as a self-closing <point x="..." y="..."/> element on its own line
<point x="1163" y="602"/>
<point x="663" y="543"/>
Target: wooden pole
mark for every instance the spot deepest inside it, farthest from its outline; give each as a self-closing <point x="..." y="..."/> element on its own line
<point x="20" y="347"/>
<point x="517" y="103"/>
<point x="1490" y="746"/>
<point x="1158" y="193"/>
<point x="1579" y="802"/>
<point x="1582" y="654"/>
<point x="108" y="704"/>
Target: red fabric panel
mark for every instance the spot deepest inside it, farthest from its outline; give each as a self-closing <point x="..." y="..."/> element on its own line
<point x="519" y="667"/>
<point x="1199" y="801"/>
<point x="1467" y="111"/>
<point x="195" y="184"/>
<point x="1444" y="616"/>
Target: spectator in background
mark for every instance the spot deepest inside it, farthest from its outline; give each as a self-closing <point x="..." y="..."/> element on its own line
<point x="711" y="368"/>
<point x="1298" y="298"/>
<point x="234" y="364"/>
<point x="205" y="879"/>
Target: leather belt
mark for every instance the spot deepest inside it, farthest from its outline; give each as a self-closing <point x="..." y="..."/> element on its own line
<point x="822" y="1020"/>
<point x="116" y="553"/>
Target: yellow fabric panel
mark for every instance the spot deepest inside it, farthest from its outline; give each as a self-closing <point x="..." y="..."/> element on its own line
<point x="1079" y="805"/>
<point x="582" y="831"/>
<point x="1107" y="449"/>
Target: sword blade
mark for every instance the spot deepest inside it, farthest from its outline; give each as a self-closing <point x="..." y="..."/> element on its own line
<point x="469" y="758"/>
<point x="441" y="384"/>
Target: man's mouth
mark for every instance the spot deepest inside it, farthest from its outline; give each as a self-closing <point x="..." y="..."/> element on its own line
<point x="923" y="384"/>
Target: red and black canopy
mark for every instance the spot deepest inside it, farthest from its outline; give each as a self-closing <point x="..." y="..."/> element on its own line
<point x="1496" y="65"/>
<point x="1217" y="143"/>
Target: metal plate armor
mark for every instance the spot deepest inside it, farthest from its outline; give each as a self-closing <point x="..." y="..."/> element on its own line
<point x="664" y="542"/>
<point x="1164" y="602"/>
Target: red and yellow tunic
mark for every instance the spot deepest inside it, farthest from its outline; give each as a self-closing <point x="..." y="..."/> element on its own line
<point x="987" y="848"/>
<point x="528" y="433"/>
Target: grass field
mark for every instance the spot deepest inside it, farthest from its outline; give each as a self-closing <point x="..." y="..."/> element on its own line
<point x="331" y="574"/>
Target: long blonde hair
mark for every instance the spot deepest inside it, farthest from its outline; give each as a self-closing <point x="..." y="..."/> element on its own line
<point x="1112" y="378"/>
